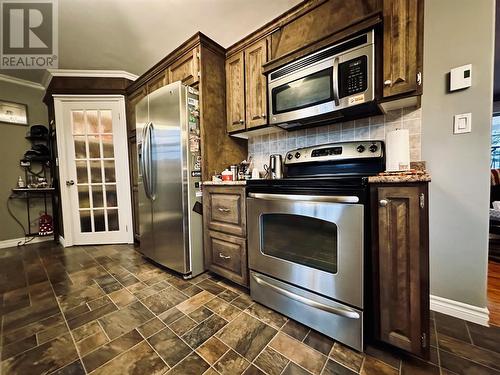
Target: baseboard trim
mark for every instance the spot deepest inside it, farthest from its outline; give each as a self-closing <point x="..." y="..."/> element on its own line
<point x="62" y="241"/>
<point x="470" y="313"/>
<point x="14" y="241"/>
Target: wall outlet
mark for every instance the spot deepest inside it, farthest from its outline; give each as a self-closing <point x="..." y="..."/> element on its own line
<point x="462" y="123"/>
<point x="461" y="77"/>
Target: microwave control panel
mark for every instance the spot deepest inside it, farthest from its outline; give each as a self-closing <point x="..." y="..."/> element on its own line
<point x="353" y="76"/>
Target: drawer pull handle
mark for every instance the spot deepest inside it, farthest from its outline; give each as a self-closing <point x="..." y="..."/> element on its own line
<point x="224" y="256"/>
<point x="221" y="209"/>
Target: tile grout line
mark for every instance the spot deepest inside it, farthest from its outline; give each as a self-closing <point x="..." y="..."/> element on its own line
<point x="64" y="318"/>
<point x="155" y="315"/>
<point x="216" y="333"/>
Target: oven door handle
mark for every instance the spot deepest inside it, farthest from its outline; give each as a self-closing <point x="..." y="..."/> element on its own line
<point x="306" y="198"/>
<point x="342" y="311"/>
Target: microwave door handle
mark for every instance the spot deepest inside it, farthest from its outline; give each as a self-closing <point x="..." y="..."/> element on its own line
<point x="335" y="80"/>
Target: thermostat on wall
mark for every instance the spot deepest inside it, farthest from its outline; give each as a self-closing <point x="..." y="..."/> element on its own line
<point x="461" y="77"/>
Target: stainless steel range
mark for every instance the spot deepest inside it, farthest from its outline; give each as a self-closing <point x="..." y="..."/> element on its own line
<point x="307" y="236"/>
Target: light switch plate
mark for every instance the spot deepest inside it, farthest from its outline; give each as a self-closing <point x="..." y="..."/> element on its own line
<point x="462" y="123"/>
<point x="461" y="77"/>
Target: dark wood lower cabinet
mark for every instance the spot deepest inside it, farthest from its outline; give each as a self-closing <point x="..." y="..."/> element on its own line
<point x="224" y="232"/>
<point x="400" y="257"/>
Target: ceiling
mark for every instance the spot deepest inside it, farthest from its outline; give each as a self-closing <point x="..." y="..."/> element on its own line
<point x="133" y="35"/>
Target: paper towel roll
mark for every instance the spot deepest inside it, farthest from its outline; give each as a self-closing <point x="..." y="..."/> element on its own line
<point x="398" y="150"/>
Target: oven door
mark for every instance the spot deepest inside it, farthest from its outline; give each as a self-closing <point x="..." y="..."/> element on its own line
<point x="313" y="242"/>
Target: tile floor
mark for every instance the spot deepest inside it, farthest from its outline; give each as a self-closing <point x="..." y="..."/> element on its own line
<point x="105" y="310"/>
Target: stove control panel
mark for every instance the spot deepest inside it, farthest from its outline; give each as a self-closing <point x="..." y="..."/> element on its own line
<point x="336" y="152"/>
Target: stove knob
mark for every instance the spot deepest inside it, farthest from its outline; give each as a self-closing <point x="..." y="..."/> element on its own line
<point x="373" y="148"/>
<point x="289" y="156"/>
<point x="360" y="148"/>
<point x="297" y="155"/>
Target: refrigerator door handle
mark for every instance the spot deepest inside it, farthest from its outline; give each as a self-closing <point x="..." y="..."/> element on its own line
<point x="146" y="161"/>
<point x="151" y="162"/>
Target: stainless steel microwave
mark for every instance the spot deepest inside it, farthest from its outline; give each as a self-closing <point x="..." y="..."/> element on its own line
<point x="328" y="85"/>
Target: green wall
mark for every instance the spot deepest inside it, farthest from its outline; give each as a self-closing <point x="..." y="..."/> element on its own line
<point x="13" y="145"/>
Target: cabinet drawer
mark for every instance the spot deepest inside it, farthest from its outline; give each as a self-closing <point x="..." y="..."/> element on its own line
<point x="226" y="210"/>
<point x="226" y="256"/>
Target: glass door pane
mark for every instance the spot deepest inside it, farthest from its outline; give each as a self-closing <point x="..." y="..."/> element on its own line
<point x="300" y="239"/>
<point x="95" y="170"/>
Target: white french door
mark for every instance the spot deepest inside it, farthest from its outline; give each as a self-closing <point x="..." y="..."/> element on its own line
<point x="93" y="169"/>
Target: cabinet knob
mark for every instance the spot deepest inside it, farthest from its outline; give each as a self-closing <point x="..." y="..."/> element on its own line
<point x="264" y="115"/>
<point x="224" y="256"/>
<point x="383" y="202"/>
<point x="242" y="122"/>
<point x="387" y="82"/>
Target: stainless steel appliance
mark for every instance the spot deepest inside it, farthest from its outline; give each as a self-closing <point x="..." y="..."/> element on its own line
<point x="333" y="84"/>
<point x="168" y="148"/>
<point x="307" y="233"/>
<point x="275" y="169"/>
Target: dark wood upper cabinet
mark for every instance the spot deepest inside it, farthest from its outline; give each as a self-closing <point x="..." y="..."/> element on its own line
<point x="256" y="84"/>
<point x="401" y="266"/>
<point x="235" y="92"/>
<point x="246" y="88"/>
<point x="403" y="44"/>
<point x="186" y="68"/>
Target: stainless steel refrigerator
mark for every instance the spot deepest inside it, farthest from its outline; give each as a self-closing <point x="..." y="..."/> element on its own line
<point x="168" y="150"/>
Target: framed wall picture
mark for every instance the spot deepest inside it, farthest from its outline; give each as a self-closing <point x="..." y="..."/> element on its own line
<point x="13" y="113"/>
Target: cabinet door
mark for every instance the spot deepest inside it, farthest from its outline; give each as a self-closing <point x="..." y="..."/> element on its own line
<point x="403" y="291"/>
<point x="235" y="93"/>
<point x="226" y="255"/>
<point x="225" y="209"/>
<point x="157" y="82"/>
<point x="186" y="68"/>
<point x="255" y="84"/>
<point x="402" y="46"/>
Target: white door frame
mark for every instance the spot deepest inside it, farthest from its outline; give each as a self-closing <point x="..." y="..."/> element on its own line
<point x="59" y="101"/>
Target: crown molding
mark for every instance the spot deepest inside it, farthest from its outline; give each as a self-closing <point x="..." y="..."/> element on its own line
<point x="22" y="82"/>
<point x="50" y="73"/>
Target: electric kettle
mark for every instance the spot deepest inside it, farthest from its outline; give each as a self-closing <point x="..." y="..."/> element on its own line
<point x="275" y="169"/>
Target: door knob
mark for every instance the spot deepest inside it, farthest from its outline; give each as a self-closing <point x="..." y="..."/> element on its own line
<point x="70" y="182"/>
<point x="383" y="202"/>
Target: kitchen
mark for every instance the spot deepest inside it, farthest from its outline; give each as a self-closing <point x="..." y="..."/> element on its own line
<point x="334" y="112"/>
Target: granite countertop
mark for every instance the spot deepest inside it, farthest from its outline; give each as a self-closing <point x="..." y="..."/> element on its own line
<point x="394" y="179"/>
<point x="217" y="183"/>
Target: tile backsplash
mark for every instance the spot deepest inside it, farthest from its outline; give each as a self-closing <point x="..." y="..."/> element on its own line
<point x="375" y="127"/>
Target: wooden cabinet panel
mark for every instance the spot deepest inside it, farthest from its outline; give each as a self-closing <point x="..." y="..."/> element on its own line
<point x="321" y="20"/>
<point x="226" y="210"/>
<point x="186" y="68"/>
<point x="132" y="149"/>
<point x="403" y="32"/>
<point x="235" y="92"/>
<point x="255" y="84"/>
<point x="224" y="228"/>
<point x="158" y="81"/>
<point x="401" y="252"/>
